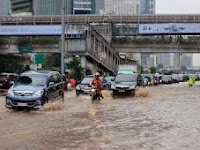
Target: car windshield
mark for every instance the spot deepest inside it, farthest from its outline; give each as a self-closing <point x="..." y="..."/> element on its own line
<point x="175" y="76"/>
<point x="34" y="80"/>
<point x="87" y="80"/>
<point x="126" y="78"/>
<point x="109" y="78"/>
<point x="167" y="77"/>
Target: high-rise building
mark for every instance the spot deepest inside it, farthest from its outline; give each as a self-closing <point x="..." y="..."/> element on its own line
<point x="147" y="6"/>
<point x="84" y="7"/>
<point x="21" y="7"/>
<point x="100" y="6"/>
<point x="164" y="59"/>
<point x="51" y="7"/>
<point x="122" y="7"/>
<point x="54" y="7"/>
<point x="187" y="60"/>
<point x="4" y="7"/>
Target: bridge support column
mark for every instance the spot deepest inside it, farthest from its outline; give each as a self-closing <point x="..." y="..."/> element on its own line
<point x="94" y="67"/>
<point x="83" y="62"/>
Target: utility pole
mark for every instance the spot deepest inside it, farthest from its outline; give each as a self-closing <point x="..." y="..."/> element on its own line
<point x="63" y="39"/>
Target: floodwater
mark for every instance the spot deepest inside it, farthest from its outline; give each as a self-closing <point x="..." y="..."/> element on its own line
<point x="169" y="119"/>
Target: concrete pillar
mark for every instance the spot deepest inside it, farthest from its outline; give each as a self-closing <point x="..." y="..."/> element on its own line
<point x="83" y="62"/>
<point x="94" y="67"/>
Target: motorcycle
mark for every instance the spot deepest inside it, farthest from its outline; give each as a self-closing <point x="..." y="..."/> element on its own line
<point x="95" y="94"/>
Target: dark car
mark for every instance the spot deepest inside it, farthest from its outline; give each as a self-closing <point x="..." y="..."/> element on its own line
<point x="7" y="79"/>
<point x="33" y="88"/>
<point x="167" y="79"/>
<point x="108" y="81"/>
<point x="124" y="84"/>
<point x="186" y="77"/>
<point x="85" y="86"/>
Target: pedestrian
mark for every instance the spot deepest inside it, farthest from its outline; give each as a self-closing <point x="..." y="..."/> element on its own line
<point x="191" y="81"/>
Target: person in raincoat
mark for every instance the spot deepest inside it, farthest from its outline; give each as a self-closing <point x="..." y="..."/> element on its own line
<point x="191" y="81"/>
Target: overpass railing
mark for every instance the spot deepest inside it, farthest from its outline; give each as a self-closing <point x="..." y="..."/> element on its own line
<point x="85" y="19"/>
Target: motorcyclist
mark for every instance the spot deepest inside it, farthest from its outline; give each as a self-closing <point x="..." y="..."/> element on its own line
<point x="97" y="83"/>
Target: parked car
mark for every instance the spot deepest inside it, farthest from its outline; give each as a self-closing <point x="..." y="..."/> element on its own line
<point x="175" y="78"/>
<point x="108" y="81"/>
<point x="7" y="79"/>
<point x="84" y="87"/>
<point x="186" y="77"/>
<point x="167" y="79"/>
<point x="124" y="84"/>
<point x="181" y="77"/>
<point x="34" y="88"/>
<point x="146" y="79"/>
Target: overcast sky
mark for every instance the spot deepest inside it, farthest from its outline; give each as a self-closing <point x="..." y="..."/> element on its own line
<point x="178" y="6"/>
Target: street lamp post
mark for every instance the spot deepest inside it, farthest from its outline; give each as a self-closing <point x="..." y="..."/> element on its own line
<point x="63" y="38"/>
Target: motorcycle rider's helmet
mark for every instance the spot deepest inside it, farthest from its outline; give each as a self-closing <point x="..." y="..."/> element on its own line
<point x="97" y="74"/>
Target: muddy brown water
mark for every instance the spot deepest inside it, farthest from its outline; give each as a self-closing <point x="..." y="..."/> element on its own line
<point x="168" y="120"/>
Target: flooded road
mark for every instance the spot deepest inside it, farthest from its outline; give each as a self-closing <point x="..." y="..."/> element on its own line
<point x="169" y="119"/>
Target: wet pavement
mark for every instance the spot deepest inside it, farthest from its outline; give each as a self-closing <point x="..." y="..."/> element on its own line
<point x="167" y="120"/>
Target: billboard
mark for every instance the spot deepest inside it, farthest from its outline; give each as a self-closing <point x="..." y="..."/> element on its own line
<point x="30" y="30"/>
<point x="170" y="28"/>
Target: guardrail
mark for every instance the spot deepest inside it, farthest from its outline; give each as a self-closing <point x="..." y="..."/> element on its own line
<point x="85" y="19"/>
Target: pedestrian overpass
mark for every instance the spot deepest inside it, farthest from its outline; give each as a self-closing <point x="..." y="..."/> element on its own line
<point x="87" y="43"/>
<point x="94" y="45"/>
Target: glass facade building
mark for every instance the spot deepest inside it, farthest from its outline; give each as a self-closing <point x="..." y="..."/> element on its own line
<point x="54" y="7"/>
<point x="129" y="7"/>
<point x="21" y="6"/>
<point x="84" y="7"/>
<point x="51" y="7"/>
<point x="147" y="6"/>
<point x="4" y="7"/>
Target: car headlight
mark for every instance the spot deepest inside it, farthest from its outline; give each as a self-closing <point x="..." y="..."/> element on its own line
<point x="78" y="87"/>
<point x="10" y="92"/>
<point x="113" y="86"/>
<point x="132" y="87"/>
<point x="38" y="93"/>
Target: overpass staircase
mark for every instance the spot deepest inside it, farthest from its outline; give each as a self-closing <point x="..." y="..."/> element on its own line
<point x="99" y="50"/>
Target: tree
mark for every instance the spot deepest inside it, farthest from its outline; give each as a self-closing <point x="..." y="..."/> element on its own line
<point x="153" y="70"/>
<point x="140" y="69"/>
<point x="76" y="70"/>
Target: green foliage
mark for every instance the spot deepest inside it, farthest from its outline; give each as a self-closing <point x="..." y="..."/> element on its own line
<point x="76" y="70"/>
<point x="12" y="63"/>
<point x="140" y="69"/>
<point x="52" y="62"/>
<point x="45" y="40"/>
<point x="153" y="70"/>
<point x="37" y="40"/>
<point x="27" y="68"/>
<point x="3" y="41"/>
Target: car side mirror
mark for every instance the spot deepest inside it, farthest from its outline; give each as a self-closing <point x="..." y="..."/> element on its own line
<point x="51" y="83"/>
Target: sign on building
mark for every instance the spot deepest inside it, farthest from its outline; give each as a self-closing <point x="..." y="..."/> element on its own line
<point x="169" y="28"/>
<point x="12" y="30"/>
